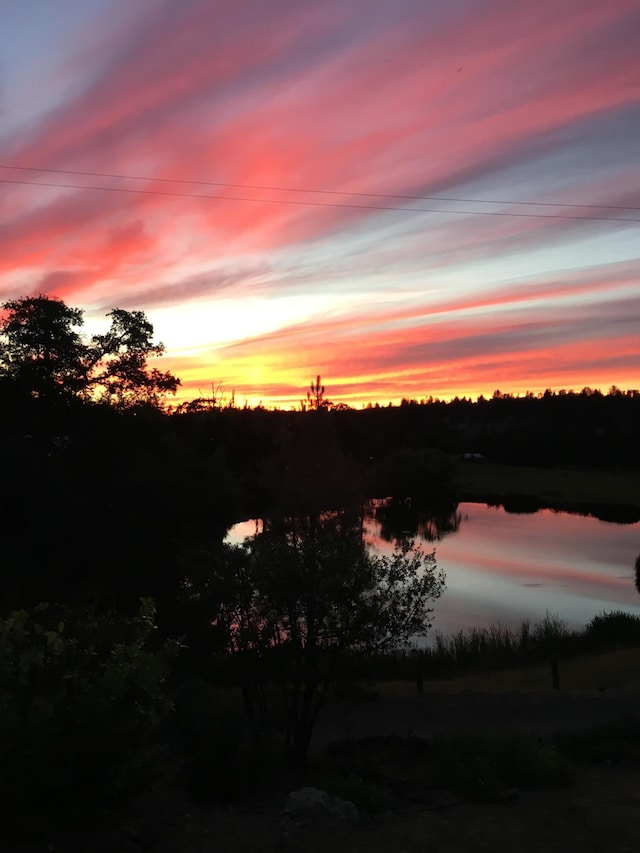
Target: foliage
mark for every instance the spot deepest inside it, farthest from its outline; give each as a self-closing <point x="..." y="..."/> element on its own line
<point x="499" y="645"/>
<point x="44" y="357"/>
<point x="617" y="742"/>
<point x="308" y="471"/>
<point x="83" y="706"/>
<point x="206" y="403"/>
<point x="315" y="397"/>
<point x="616" y="627"/>
<point x="551" y="634"/>
<point x="485" y="768"/>
<point x="492" y="648"/>
<point x="308" y="594"/>
<point x="41" y="351"/>
<point x="407" y="473"/>
<point x="475" y="767"/>
<point x="121" y="376"/>
<point x="368" y="796"/>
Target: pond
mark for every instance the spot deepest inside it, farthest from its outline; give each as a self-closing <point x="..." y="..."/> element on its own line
<point x="506" y="567"/>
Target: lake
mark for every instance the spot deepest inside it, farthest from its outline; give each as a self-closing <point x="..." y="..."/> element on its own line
<point x="508" y="567"/>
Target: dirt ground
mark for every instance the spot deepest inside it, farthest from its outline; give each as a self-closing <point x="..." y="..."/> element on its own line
<point x="598" y="812"/>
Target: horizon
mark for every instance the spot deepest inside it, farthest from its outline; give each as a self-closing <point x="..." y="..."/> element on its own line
<point x="410" y="199"/>
<point x="223" y="398"/>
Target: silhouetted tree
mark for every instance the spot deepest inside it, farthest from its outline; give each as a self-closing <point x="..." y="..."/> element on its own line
<point x="41" y="351"/>
<point x="315" y="395"/>
<point x="309" y="594"/>
<point x="44" y="357"/>
<point x="206" y="403"/>
<point x="120" y="359"/>
<point x="637" y="572"/>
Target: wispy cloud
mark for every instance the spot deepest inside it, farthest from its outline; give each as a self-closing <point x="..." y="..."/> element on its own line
<point x="470" y="101"/>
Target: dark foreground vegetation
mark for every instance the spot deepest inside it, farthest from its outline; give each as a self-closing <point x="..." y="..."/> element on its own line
<point x="139" y="651"/>
<point x="97" y="712"/>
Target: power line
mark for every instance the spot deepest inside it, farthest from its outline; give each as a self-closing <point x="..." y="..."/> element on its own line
<point x="326" y="204"/>
<point x="314" y="191"/>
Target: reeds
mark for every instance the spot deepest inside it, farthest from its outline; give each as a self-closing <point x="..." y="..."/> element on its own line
<point x="500" y="646"/>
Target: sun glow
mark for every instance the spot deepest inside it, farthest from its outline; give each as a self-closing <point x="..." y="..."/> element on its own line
<point x="434" y="201"/>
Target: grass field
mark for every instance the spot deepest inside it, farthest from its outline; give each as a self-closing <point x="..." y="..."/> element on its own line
<point x="550" y="486"/>
<point x="612" y="670"/>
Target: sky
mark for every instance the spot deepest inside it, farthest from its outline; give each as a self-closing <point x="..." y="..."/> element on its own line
<point x="411" y="198"/>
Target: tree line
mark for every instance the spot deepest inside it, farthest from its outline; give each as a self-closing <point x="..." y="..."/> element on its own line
<point x="49" y="370"/>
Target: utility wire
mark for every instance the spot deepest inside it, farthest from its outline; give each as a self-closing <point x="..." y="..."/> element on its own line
<point x="313" y="191"/>
<point x="336" y="204"/>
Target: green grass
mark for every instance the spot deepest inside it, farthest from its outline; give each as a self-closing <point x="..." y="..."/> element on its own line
<point x="556" y="487"/>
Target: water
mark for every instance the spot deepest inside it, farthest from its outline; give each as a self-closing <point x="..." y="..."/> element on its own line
<point x="504" y="567"/>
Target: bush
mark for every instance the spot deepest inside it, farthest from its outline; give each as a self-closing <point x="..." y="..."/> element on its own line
<point x="83" y="709"/>
<point x="474" y="767"/>
<point x="367" y="796"/>
<point x="485" y="768"/>
<point x="617" y="742"/>
<point x="414" y="473"/>
<point x="616" y="628"/>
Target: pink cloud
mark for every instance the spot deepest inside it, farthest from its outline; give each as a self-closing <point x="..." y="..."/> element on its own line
<point x="471" y="100"/>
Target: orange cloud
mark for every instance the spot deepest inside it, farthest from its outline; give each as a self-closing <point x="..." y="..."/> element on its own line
<point x="294" y="108"/>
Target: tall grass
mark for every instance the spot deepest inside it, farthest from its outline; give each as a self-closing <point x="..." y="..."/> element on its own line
<point x="501" y="647"/>
<point x="497" y="647"/>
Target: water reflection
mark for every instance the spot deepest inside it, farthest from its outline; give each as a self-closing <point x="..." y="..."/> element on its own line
<point x="507" y="567"/>
<point x="408" y="518"/>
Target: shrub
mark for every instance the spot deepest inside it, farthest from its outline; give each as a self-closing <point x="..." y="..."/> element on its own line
<point x="617" y="628"/>
<point x="475" y="767"/>
<point x="485" y="768"/>
<point x="367" y="796"/>
<point x="615" y="742"/>
<point x="83" y="708"/>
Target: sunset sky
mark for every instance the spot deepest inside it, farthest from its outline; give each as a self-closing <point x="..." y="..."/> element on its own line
<point x="409" y="197"/>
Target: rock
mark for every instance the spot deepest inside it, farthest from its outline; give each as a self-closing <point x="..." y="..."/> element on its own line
<point x="313" y="803"/>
